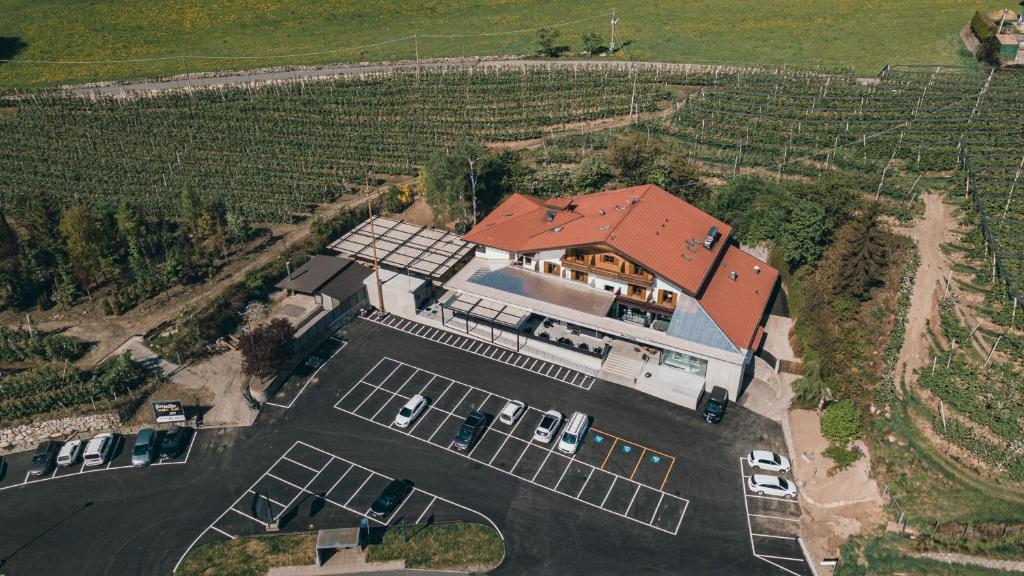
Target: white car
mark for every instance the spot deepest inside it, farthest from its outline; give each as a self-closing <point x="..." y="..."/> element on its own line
<point x="70" y="453"/>
<point x="411" y="411"/>
<point x="548" y="426"/>
<point x="771" y="485"/>
<point x="511" y="412"/>
<point x="770" y="461"/>
<point x="98" y="449"/>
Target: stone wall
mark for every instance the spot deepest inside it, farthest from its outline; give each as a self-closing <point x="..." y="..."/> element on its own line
<point x="27" y="436"/>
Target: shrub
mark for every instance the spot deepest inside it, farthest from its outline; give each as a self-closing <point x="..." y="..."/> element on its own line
<point x="841" y="422"/>
<point x="841" y="456"/>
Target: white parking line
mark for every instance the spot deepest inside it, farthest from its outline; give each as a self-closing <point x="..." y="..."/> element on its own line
<point x="772" y="536"/>
<point x="587" y="481"/>
<point x="569" y="465"/>
<point x="509" y="435"/>
<point x="797" y="520"/>
<point x="633" y="499"/>
<point x="268" y="498"/>
<point x="657" y="507"/>
<point x="311" y="469"/>
<point x="356" y="493"/>
<point x="782" y="558"/>
<point x="224" y="533"/>
<point x="750" y="528"/>
<point x="425" y="510"/>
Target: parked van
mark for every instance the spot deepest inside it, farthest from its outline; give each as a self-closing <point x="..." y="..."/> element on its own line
<point x="98" y="450"/>
<point x="573" y="433"/>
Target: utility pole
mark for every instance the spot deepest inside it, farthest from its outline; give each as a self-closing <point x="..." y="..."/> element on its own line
<point x="472" y="182"/>
<point x="376" y="263"/>
<point x="417" y="38"/>
<point x="611" y="43"/>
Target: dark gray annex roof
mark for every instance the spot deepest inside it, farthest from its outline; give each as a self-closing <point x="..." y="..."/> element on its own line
<point x="348" y="282"/>
<point x="316" y="272"/>
<point x="553" y="291"/>
<point x="402" y="246"/>
<point x="491" y="310"/>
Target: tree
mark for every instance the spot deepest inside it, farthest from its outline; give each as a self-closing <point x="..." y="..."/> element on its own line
<point x="804" y="233"/>
<point x="87" y="243"/>
<point x="861" y="255"/>
<point x="268" y="347"/>
<point x="591" y="174"/>
<point x="593" y="43"/>
<point x="682" y="178"/>
<point x="546" y="38"/>
<point x="449" y="179"/>
<point x="634" y="156"/>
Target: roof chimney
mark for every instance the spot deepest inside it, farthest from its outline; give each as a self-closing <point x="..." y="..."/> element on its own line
<point x="733" y="275"/>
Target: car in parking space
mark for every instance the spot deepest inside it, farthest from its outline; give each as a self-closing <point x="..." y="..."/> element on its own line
<point x="390" y="498"/>
<point x="771" y="485"/>
<point x="511" y="412"/>
<point x="411" y="411"/>
<point x="144" y="448"/>
<point x="98" y="449"/>
<point x="714" y="408"/>
<point x="770" y="461"/>
<point x="69" y="453"/>
<point x="572" y="435"/>
<point x="548" y="426"/>
<point x="175" y="441"/>
<point x="44" y="458"/>
<point x="470" y="430"/>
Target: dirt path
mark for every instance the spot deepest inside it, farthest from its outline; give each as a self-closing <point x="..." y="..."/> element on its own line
<point x="109" y="333"/>
<point x="930" y="232"/>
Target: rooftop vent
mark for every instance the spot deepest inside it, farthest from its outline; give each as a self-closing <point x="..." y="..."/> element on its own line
<point x="733" y="275"/>
<point x="556" y="229"/>
<point x="711" y="238"/>
<point x="619" y="208"/>
<point x="550" y="216"/>
<point x="600" y="211"/>
<point x="757" y="269"/>
<point x="604" y="226"/>
<point x="633" y="199"/>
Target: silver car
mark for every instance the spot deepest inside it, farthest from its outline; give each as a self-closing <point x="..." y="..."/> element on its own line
<point x="145" y="447"/>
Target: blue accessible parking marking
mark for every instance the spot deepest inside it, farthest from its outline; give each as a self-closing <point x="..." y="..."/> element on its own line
<point x="598" y="438"/>
<point x="627" y="448"/>
<point x="655" y="459"/>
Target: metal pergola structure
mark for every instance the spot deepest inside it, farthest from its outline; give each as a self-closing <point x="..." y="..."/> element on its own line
<point x="417" y="250"/>
<point x="489" y="312"/>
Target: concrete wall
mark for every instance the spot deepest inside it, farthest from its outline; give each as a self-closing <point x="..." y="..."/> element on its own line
<point x="724" y="374"/>
<point x="493" y="254"/>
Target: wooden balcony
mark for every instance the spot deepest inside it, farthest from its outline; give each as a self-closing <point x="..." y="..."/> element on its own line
<point x="645" y="304"/>
<point x="587" y="265"/>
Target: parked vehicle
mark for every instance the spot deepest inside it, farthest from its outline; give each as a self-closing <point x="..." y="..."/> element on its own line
<point x="70" y="452"/>
<point x="714" y="408"/>
<point x="572" y="435"/>
<point x="771" y="485"/>
<point x="390" y="498"/>
<point x="411" y="411"/>
<point x="470" y="430"/>
<point x="770" y="461"/>
<point x="44" y="458"/>
<point x="145" y="447"/>
<point x="548" y="426"/>
<point x="175" y="441"/>
<point x="98" y="449"/>
<point x="512" y="411"/>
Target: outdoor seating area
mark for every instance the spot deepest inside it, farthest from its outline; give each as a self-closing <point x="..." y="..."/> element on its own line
<point x="560" y="333"/>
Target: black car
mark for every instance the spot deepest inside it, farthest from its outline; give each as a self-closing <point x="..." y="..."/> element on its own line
<point x="714" y="408"/>
<point x="45" y="458"/>
<point x="390" y="498"/>
<point x="470" y="430"/>
<point x="175" y="441"/>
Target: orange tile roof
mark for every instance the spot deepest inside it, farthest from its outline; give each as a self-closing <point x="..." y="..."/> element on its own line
<point x="644" y="223"/>
<point x="737" y="306"/>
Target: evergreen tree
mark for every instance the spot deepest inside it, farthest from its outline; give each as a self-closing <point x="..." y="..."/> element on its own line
<point x="861" y="255"/>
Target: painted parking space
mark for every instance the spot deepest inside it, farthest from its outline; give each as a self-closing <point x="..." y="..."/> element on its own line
<point x="310" y="486"/>
<point x="306" y="372"/>
<point x="584" y="477"/>
<point x="774" y="527"/>
<point x="491" y="351"/>
<point x="15" y="468"/>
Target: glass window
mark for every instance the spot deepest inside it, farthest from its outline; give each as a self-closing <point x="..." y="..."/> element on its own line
<point x="685" y="362"/>
<point x="608" y="258"/>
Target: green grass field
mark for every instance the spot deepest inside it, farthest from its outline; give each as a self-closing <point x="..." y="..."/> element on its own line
<point x="864" y="34"/>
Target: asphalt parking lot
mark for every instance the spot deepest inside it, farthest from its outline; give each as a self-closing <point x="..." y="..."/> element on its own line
<point x="15" y="472"/>
<point x="774" y="525"/>
<point x="549" y="513"/>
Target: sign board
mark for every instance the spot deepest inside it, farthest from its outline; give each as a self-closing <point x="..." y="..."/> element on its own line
<point x="169" y="411"/>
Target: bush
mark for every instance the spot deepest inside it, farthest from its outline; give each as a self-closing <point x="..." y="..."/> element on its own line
<point x="841" y="456"/>
<point x="841" y="422"/>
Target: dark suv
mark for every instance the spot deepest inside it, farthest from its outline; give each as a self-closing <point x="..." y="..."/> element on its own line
<point x="470" y="430"/>
<point x="45" y="458"/>
<point x="390" y="498"/>
<point x="714" y="408"/>
<point x="175" y="441"/>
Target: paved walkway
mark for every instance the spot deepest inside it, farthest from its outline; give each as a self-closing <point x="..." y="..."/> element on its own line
<point x="1008" y="565"/>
